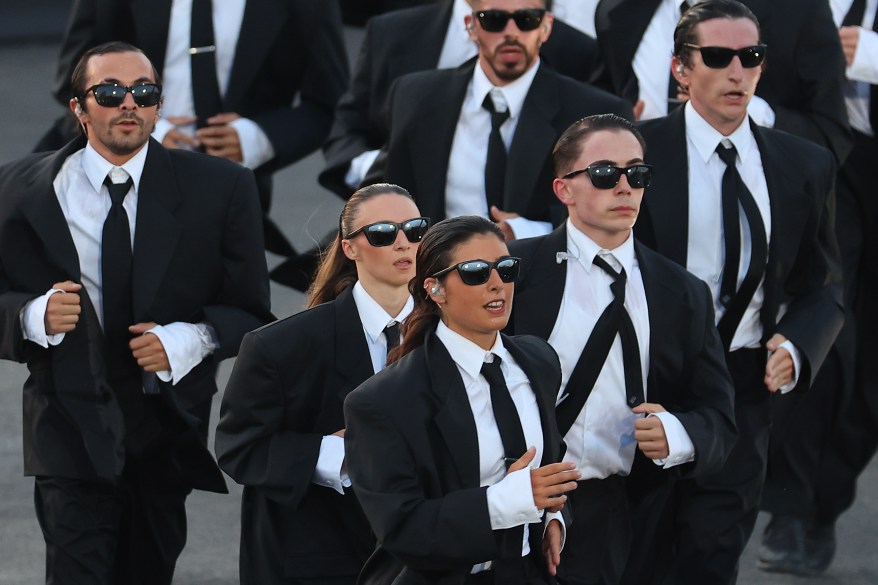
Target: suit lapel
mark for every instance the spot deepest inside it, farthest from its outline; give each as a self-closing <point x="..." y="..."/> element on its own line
<point x="626" y="21"/>
<point x="543" y="287"/>
<point x="151" y="20"/>
<point x="157" y="230"/>
<point x="668" y="197"/>
<point x="40" y="206"/>
<point x="426" y="52"/>
<point x="455" y="416"/>
<point x="353" y="363"/>
<point x="261" y="24"/>
<point x="538" y="386"/>
<point x="534" y="133"/>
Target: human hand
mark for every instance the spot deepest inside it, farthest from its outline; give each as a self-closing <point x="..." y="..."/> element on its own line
<point x="220" y="139"/>
<point x="780" y="369"/>
<point x="649" y="431"/>
<point x="63" y="308"/>
<point x="550" y="482"/>
<point x="552" y="546"/>
<point x="500" y="216"/>
<point x="147" y="349"/>
<point x="176" y="138"/>
<point x="850" y="40"/>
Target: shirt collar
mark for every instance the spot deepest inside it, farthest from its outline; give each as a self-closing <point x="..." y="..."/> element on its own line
<point x="706" y="138"/>
<point x="515" y="92"/>
<point x="467" y="354"/>
<point x="584" y="249"/>
<point x="373" y="316"/>
<point x="96" y="167"/>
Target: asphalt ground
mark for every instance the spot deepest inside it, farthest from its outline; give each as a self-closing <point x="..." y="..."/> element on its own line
<point x="306" y="212"/>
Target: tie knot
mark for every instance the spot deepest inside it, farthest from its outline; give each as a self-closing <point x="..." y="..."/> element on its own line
<point x="603" y="262"/>
<point x="492" y="373"/>
<point x="497" y="107"/>
<point x="118" y="190"/>
<point x="391" y="332"/>
<point x="727" y="153"/>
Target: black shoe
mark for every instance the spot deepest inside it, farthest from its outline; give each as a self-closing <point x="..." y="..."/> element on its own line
<point x="783" y="546"/>
<point x="819" y="547"/>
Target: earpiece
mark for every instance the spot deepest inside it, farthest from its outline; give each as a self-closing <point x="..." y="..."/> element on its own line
<point x="679" y="69"/>
<point x="78" y="109"/>
<point x="434" y="290"/>
<point x="158" y="112"/>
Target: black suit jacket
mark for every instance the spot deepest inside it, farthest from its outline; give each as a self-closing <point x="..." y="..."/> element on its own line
<point x="198" y="257"/>
<point x="803" y="274"/>
<point x="413" y="458"/>
<point x="803" y="76"/>
<point x="425" y="106"/>
<point x="406" y="41"/>
<point x="286" y="49"/>
<point x="687" y="368"/>
<point x="285" y="393"/>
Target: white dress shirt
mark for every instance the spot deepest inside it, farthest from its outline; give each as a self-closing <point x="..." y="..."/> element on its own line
<point x="510" y="495"/>
<point x="706" y="249"/>
<point x="328" y="471"/>
<point x="863" y="72"/>
<point x="228" y="15"/>
<point x="601" y="441"/>
<point x="465" y="179"/>
<point x="85" y="203"/>
<point x="577" y="13"/>
<point x="652" y="66"/>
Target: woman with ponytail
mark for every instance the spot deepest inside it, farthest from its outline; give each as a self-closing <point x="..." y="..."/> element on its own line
<point x="453" y="450"/>
<point x="281" y="426"/>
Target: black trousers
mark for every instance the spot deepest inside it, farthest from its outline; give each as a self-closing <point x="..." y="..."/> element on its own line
<point x="716" y="513"/>
<point x="599" y="539"/>
<point x="130" y="532"/>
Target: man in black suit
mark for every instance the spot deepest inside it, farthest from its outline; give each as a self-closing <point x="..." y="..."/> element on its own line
<point x="418" y="39"/>
<point x="829" y="433"/>
<point x="686" y="399"/>
<point x="799" y="93"/>
<point x="758" y="229"/>
<point x="442" y="134"/>
<point x="258" y="86"/>
<point x="123" y="347"/>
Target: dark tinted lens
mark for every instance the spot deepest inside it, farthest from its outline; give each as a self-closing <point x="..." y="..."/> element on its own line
<point x="720" y="57"/>
<point x="639" y="176"/>
<point x="752" y="56"/>
<point x="528" y="19"/>
<point x="604" y="176"/>
<point x="525" y="19"/>
<point x="474" y="272"/>
<point x="111" y="96"/>
<point x="508" y="269"/>
<point x="146" y="94"/>
<point x="381" y="234"/>
<point x="414" y="229"/>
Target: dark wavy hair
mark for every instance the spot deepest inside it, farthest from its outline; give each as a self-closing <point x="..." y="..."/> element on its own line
<point x="708" y="10"/>
<point x="336" y="271"/>
<point x="435" y="253"/>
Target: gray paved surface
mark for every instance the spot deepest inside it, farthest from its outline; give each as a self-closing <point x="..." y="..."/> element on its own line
<point x="305" y="210"/>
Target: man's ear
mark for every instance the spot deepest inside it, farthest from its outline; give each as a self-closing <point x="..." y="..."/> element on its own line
<point x="562" y="191"/>
<point x="678" y="70"/>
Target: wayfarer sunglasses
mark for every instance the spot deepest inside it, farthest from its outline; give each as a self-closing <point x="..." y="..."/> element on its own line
<point x="473" y="272"/>
<point x="525" y="19"/>
<point x="110" y="95"/>
<point x="607" y="176"/>
<point x="383" y="233"/>
<point x="720" y="57"/>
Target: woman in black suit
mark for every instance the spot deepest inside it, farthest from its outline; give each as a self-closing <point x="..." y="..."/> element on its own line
<point x="430" y="439"/>
<point x="281" y="427"/>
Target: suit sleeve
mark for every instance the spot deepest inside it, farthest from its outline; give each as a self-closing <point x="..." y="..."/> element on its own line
<point x="242" y="303"/>
<point x="253" y="444"/>
<point x="295" y="132"/>
<point x="426" y="534"/>
<point x="398" y="167"/>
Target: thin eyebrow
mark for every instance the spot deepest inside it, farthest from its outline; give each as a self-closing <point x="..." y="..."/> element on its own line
<point x="137" y="81"/>
<point x="613" y="163"/>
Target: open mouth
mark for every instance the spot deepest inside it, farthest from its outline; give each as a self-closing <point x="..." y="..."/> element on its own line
<point x="497" y="306"/>
<point x="403" y="263"/>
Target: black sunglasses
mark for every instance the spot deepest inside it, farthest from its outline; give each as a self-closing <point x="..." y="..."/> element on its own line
<point x="473" y="272"/>
<point x="110" y="95"/>
<point x="607" y="176"/>
<point x="383" y="233"/>
<point x="525" y="19"/>
<point x="720" y="57"/>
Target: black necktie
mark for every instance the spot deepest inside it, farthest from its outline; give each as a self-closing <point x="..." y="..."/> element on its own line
<point x="507" y="569"/>
<point x="855" y="14"/>
<point x="495" y="165"/>
<point x="735" y="299"/>
<point x="116" y="286"/>
<point x="613" y="320"/>
<point x="205" y="87"/>
<point x="391" y="333"/>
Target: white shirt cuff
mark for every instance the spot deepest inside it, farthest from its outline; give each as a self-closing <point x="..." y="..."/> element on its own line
<point x="162" y="127"/>
<point x="797" y="365"/>
<point x="256" y="148"/>
<point x="328" y="472"/>
<point x="865" y="65"/>
<point x="761" y="112"/>
<point x="33" y="321"/>
<point x="511" y="501"/>
<point x="560" y="518"/>
<point x="186" y="345"/>
<point x="360" y="165"/>
<point x="527" y="228"/>
<point x="680" y="447"/>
